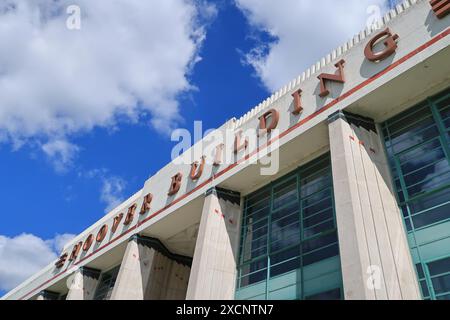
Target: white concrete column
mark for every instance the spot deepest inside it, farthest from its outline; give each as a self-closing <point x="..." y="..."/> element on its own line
<point x="83" y="285"/>
<point x="146" y="272"/>
<point x="375" y="257"/>
<point x="213" y="272"/>
<point x="134" y="273"/>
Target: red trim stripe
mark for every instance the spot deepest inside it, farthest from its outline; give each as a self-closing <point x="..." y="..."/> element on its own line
<point x="283" y="134"/>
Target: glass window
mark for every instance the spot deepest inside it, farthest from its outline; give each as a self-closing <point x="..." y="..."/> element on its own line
<point x="418" y="147"/>
<point x="253" y="272"/>
<point x="328" y="295"/>
<point x="441" y="284"/>
<point x="106" y="284"/>
<point x="439" y="272"/>
<point x="288" y="226"/>
<point x="439" y="267"/>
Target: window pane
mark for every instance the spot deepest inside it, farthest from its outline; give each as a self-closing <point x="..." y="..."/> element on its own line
<point x="423" y="285"/>
<point x="430" y="201"/>
<point x="285" y="261"/>
<point x="282" y="226"/>
<point x="253" y="273"/>
<point x="320" y="206"/>
<point x="321" y="254"/>
<point x="328" y="295"/>
<point x="323" y="227"/>
<point x="257" y="215"/>
<point x="286" y="211"/>
<point x="439" y="267"/>
<point x="106" y="284"/>
<point x="420" y="271"/>
<point x="313" y="184"/>
<point x="423" y="132"/>
<point x="316" y="197"/>
<point x="318" y="218"/>
<point x="285" y="193"/>
<point x="319" y="242"/>
<point x="432" y="216"/>
<point x="286" y="237"/>
<point x="441" y="284"/>
<point x="417" y="148"/>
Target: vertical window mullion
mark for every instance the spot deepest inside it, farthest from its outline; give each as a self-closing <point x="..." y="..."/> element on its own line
<point x="429" y="282"/>
<point x="401" y="178"/>
<point x="442" y="131"/>
<point x="269" y="239"/>
<point x="300" y="213"/>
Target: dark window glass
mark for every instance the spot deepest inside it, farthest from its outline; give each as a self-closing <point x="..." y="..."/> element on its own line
<point x="318" y="218"/>
<point x="319" y="242"/>
<point x="290" y="225"/>
<point x="287" y="211"/>
<point x="318" y="229"/>
<point x="420" y="271"/>
<point x="286" y="237"/>
<point x="328" y="295"/>
<point x="253" y="272"/>
<point x="321" y="254"/>
<point x="286" y="266"/>
<point x="106" y="284"/>
<point x="417" y="142"/>
<point x="441" y="284"/>
<point x="439" y="267"/>
<point x="408" y="224"/>
<point x="422" y="133"/>
<point x="284" y="194"/>
<point x="424" y="286"/>
<point x="444" y="108"/>
<point x="257" y="215"/>
<point x="319" y="206"/>
<point x="430" y="201"/>
<point x="432" y="216"/>
<point x="316" y="197"/>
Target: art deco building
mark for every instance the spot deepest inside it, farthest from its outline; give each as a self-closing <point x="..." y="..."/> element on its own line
<point x="359" y="208"/>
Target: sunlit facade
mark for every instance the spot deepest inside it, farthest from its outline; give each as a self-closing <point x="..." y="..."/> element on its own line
<point x="357" y="208"/>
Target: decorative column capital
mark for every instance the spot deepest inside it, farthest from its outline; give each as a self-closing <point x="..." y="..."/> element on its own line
<point x="355" y="119"/>
<point x="336" y="115"/>
<point x="224" y="194"/>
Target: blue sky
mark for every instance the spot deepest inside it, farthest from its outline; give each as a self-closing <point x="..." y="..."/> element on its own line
<point x="56" y="180"/>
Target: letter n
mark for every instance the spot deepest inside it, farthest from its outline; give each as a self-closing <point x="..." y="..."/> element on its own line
<point x="339" y="77"/>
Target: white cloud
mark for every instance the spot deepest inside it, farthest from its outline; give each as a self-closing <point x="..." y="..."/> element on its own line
<point x="61" y="153"/>
<point x="304" y="31"/>
<point x="60" y="240"/>
<point x="130" y="59"/>
<point x="26" y="254"/>
<point x="112" y="186"/>
<point x="112" y="192"/>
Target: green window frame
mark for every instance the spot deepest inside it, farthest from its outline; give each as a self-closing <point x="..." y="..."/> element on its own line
<point x="289" y="246"/>
<point x="417" y="143"/>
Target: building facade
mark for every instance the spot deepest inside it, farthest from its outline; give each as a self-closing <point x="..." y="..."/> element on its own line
<point x="358" y="208"/>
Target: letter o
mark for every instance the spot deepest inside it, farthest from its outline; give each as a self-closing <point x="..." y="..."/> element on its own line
<point x="102" y="233"/>
<point x="88" y="242"/>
